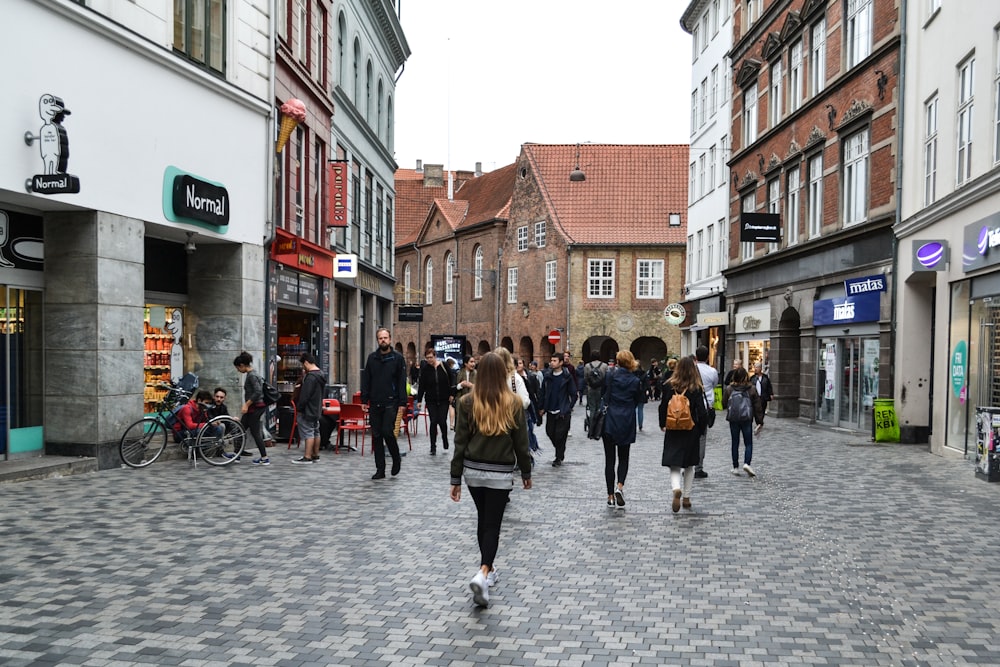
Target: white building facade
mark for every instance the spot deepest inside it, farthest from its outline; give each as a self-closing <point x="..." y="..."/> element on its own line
<point x="948" y="293"/>
<point x="133" y="210"/>
<point x="708" y="22"/>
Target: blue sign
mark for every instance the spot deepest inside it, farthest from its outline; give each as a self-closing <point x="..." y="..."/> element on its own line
<point x="979" y="243"/>
<point x="930" y="255"/>
<point x="847" y="310"/>
<point x="864" y="285"/>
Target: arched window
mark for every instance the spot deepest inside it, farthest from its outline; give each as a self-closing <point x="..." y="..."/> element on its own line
<point x="449" y="278"/>
<point x="368" y="92"/>
<point x="477" y="283"/>
<point x="406" y="284"/>
<point x="378" y="110"/>
<point x="389" y="138"/>
<point x="341" y="60"/>
<point x="429" y="282"/>
<point x="357" y="74"/>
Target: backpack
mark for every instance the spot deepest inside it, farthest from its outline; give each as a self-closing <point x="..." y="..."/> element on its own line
<point x="595" y="376"/>
<point x="172" y="420"/>
<point x="679" y="413"/>
<point x="740" y="409"/>
<point x="271" y="395"/>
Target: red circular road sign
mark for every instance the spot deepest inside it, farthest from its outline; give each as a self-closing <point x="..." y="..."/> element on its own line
<point x="554" y="337"/>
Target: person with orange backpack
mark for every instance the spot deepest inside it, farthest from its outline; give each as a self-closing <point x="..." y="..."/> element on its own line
<point x="683" y="419"/>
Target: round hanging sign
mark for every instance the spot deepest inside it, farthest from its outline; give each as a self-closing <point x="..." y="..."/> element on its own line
<point x="674" y="313"/>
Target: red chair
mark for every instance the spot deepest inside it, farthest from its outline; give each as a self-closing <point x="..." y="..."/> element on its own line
<point x="295" y="423"/>
<point x="353" y="419"/>
<point x="331" y="409"/>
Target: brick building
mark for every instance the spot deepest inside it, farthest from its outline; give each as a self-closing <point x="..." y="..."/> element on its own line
<point x="814" y="122"/>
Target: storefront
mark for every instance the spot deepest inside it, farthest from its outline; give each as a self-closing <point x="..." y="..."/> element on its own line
<point x="752" y="323"/>
<point x="301" y="279"/>
<point x="847" y="353"/>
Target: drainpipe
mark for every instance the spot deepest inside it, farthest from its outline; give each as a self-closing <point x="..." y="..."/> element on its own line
<point x="269" y="200"/>
<point x="569" y="295"/>
<point x="900" y="107"/>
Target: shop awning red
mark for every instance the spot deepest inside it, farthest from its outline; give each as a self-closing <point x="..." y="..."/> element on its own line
<point x="297" y="253"/>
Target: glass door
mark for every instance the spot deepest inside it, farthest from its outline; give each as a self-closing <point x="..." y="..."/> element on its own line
<point x="20" y="373"/>
<point x="849" y="393"/>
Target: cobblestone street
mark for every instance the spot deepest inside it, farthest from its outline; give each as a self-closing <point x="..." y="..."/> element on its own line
<point x="839" y="552"/>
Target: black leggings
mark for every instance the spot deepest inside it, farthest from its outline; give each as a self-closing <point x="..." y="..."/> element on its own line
<point x="490" y="505"/>
<point x="253" y="422"/>
<point x="609" y="463"/>
<point x="437" y="414"/>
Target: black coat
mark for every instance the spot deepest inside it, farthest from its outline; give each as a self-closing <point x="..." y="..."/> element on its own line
<point x="622" y="393"/>
<point x="681" y="448"/>
<point x="435" y="384"/>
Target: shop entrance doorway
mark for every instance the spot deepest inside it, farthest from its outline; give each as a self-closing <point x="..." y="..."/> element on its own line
<point x="21" y="378"/>
<point x="848" y="381"/>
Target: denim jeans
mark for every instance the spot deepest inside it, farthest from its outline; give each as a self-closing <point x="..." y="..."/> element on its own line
<point x="747" y="429"/>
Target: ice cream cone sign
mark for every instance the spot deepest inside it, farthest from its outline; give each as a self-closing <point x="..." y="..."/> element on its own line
<point x="293" y="112"/>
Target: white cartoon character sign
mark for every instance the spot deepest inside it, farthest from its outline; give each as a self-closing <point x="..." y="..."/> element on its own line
<point x="53" y="146"/>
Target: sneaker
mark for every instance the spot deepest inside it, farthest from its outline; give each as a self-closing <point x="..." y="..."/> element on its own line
<point x="262" y="461"/>
<point x="611" y="501"/>
<point x="675" y="505"/>
<point x="700" y="474"/>
<point x="316" y="458"/>
<point x="492" y="578"/>
<point x="302" y="460"/>
<point x="230" y="455"/>
<point x="749" y="471"/>
<point x="480" y="589"/>
<point x="736" y="471"/>
<point x="620" y="497"/>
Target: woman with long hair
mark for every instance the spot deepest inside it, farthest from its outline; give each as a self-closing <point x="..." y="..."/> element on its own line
<point x="743" y="407"/>
<point x="623" y="392"/>
<point x="491" y="442"/>
<point x="681" y="447"/>
<point x="515" y="381"/>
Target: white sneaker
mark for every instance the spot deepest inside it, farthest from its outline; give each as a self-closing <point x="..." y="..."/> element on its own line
<point x="749" y="471"/>
<point x="736" y="471"/>
<point x="492" y="578"/>
<point x="480" y="589"/>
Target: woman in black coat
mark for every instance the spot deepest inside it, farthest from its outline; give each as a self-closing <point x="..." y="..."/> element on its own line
<point x="622" y="392"/>
<point x="680" y="448"/>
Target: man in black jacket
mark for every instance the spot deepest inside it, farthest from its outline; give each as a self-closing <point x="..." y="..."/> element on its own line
<point x="383" y="388"/>
<point x="559" y="395"/>
<point x="435" y="391"/>
<point x="308" y="408"/>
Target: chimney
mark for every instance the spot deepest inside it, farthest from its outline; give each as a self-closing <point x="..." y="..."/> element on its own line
<point x="420" y="165"/>
<point x="479" y="169"/>
<point x="434" y="176"/>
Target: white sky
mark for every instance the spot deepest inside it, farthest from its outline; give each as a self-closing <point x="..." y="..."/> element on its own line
<point x="486" y="76"/>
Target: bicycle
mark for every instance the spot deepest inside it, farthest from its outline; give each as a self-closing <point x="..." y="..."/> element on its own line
<point x="218" y="442"/>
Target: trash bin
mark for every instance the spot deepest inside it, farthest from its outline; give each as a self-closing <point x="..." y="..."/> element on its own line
<point x="286" y="419"/>
<point x="987" y="442"/>
<point x="884" y="420"/>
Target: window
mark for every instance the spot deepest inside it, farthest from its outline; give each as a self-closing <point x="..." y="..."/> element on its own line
<point x="600" y="278"/>
<point x="692" y="175"/>
<point x="703" y="102"/>
<point x="449" y="278"/>
<point x="817" y="70"/>
<point x="649" y="279"/>
<point x="302" y="27"/>
<point x="540" y="234"/>
<point x="319" y="33"/>
<point x="966" y="74"/>
<point x="722" y="160"/>
<point x="750" y="115"/>
<point x="379" y="100"/>
<point x="341" y="58"/>
<point x="512" y="284"/>
<point x="711" y="167"/>
<point x="694" y="44"/>
<point x="477" y="281"/>
<point x="316" y="227"/>
<point x="774" y="196"/>
<point x="723" y="244"/>
<point x="714" y="99"/>
<point x="522" y="238"/>
<point x="694" y="110"/>
<point x="407" y="284"/>
<point x="815" y="196"/>
<point x="774" y="105"/>
<point x="752" y="13"/>
<point x="690" y="262"/>
<point x="300" y="182"/>
<point x="550" y="280"/>
<point x="704" y="31"/>
<point x="795" y="76"/>
<point x="749" y="205"/>
<point x="855" y="163"/>
<point x="859" y="31"/>
<point x="699" y="254"/>
<point x="930" y="150"/>
<point x="357" y="74"/>
<point x="429" y="282"/>
<point x="715" y="17"/>
<point x="368" y="93"/>
<point x="280" y="17"/>
<point x="701" y="175"/>
<point x="793" y="215"/>
<point x="199" y="31"/>
<point x="709" y="250"/>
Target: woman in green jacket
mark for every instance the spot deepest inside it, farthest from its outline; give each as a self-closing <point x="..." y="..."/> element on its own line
<point x="491" y="442"/>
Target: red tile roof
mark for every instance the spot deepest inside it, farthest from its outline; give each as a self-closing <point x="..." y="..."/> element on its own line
<point x="488" y="196"/>
<point x="413" y="202"/>
<point x="627" y="197"/>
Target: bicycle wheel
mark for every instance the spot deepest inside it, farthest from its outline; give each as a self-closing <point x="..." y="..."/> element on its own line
<point x="143" y="442"/>
<point x="221" y="441"/>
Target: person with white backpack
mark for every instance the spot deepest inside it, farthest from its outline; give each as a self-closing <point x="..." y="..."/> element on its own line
<point x="743" y="408"/>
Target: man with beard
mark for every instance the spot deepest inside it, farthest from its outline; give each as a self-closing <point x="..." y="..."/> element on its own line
<point x="383" y="388"/>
